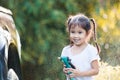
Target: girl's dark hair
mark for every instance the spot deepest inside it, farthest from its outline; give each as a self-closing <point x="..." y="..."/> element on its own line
<point x="80" y="20"/>
<point x="94" y="35"/>
<point x="85" y="23"/>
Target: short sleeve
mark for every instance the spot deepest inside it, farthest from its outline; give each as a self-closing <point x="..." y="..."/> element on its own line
<point x="65" y="51"/>
<point x="94" y="55"/>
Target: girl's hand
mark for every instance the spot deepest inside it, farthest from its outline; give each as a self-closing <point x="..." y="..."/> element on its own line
<point x="74" y="72"/>
<point x="65" y="70"/>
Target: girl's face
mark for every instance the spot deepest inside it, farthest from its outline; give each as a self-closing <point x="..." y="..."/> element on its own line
<point x="78" y="35"/>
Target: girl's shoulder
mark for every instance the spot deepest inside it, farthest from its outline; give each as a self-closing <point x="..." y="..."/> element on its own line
<point x="91" y="48"/>
<point x="65" y="50"/>
<point x="93" y="53"/>
<point x="66" y="47"/>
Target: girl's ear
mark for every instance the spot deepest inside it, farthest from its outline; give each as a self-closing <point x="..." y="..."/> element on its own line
<point x="89" y="35"/>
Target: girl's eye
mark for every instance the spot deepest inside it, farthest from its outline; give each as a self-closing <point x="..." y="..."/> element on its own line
<point x="72" y="31"/>
<point x="80" y="32"/>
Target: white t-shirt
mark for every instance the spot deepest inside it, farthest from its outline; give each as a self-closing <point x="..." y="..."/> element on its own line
<point x="83" y="60"/>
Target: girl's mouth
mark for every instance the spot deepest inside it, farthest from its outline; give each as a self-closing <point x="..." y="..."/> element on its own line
<point x="76" y="40"/>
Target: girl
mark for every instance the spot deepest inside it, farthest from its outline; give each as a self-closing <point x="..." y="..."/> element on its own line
<point x="83" y="55"/>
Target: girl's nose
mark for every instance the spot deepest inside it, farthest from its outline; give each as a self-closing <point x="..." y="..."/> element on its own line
<point x="76" y="35"/>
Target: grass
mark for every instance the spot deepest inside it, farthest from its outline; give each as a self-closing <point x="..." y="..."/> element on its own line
<point x="108" y="72"/>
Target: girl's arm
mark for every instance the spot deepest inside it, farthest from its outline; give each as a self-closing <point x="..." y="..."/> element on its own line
<point x="78" y="73"/>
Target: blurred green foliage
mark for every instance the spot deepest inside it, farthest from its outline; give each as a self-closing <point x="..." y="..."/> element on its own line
<point x="41" y="25"/>
<point x="108" y="21"/>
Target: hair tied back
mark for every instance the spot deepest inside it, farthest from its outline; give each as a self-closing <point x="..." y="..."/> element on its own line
<point x="94" y="37"/>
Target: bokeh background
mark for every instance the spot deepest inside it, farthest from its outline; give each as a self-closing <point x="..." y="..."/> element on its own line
<point x="41" y="25"/>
